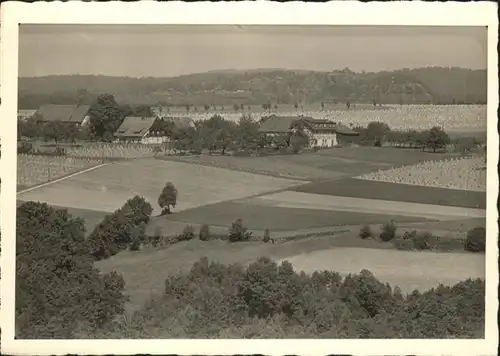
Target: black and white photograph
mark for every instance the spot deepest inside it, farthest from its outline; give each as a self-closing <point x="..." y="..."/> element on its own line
<point x="250" y="181"/>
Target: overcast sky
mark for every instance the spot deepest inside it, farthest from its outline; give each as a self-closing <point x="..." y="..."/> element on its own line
<point x="160" y="51"/>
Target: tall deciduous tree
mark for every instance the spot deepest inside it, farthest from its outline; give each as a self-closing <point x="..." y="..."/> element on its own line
<point x="168" y="198"/>
<point x="105" y="117"/>
<point x="58" y="290"/>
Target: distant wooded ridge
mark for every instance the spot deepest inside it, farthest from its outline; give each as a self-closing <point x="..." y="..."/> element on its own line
<point x="430" y="85"/>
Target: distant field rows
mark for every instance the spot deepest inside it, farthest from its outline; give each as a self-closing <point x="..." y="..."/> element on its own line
<point x="452" y="117"/>
<point x="33" y="170"/>
<point x="463" y="173"/>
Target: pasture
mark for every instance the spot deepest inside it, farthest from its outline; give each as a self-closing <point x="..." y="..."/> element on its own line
<point x="322" y="165"/>
<point x="107" y="188"/>
<point x="408" y="270"/>
<point x="261" y="215"/>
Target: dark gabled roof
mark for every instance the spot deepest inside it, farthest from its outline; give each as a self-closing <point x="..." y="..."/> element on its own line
<point x="63" y="113"/>
<point x="277" y="124"/>
<point x="319" y="124"/>
<point x="346" y="131"/>
<point x="135" y="127"/>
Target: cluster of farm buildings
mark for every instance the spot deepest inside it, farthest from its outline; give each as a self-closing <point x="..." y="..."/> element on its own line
<point x="321" y="132"/>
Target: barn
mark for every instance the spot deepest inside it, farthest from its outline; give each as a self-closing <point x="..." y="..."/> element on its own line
<point x="68" y="114"/>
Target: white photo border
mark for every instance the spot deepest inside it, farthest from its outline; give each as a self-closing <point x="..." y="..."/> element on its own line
<point x="241" y="13"/>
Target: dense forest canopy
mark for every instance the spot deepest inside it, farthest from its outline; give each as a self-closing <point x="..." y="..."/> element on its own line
<point x="431" y="85"/>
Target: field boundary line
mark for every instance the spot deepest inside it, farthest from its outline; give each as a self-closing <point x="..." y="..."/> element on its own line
<point x="62" y="178"/>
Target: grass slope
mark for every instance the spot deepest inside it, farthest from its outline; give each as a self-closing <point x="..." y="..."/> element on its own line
<point x="260" y="217"/>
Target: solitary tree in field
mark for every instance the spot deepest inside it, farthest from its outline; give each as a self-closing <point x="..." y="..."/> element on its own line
<point x="322" y="106"/>
<point x="296" y="106"/>
<point x="168" y="198"/>
<point x="188" y="107"/>
<point x="436" y="138"/>
<point x="348" y="104"/>
<point x="207" y="107"/>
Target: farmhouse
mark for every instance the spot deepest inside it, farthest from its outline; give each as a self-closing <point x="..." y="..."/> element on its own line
<point x="321" y="132"/>
<point x="69" y="114"/>
<point x="136" y="129"/>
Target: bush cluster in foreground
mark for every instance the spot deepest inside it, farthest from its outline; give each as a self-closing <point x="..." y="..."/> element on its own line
<point x="267" y="300"/>
<point x="425" y="240"/>
<point x="60" y="294"/>
<point x="58" y="290"/>
<point x="124" y="229"/>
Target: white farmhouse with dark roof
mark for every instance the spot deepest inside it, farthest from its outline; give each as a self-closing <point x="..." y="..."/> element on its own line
<point x="321" y="132"/>
<point x="150" y="130"/>
<point x="136" y="129"/>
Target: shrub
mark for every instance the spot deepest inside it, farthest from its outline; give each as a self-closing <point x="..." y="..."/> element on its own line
<point x="138" y="236"/>
<point x="476" y="240"/>
<point x="204" y="233"/>
<point x="388" y="231"/>
<point x="238" y="232"/>
<point x="187" y="233"/>
<point x="449" y="244"/>
<point x="113" y="234"/>
<point x="405" y="244"/>
<point x="365" y="232"/>
<point x="24" y="148"/>
<point x="422" y="240"/>
<point x="138" y="209"/>
<point x="409" y="235"/>
<point x="267" y="236"/>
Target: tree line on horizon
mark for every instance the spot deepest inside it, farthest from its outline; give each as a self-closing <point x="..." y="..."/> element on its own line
<point x="432" y="85"/>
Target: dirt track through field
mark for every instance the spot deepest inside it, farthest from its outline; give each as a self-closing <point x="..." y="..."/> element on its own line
<point x="61" y="179"/>
<point x="291" y="199"/>
<point x="408" y="270"/>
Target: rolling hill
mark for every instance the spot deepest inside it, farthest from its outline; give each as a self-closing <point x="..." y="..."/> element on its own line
<point x="432" y="85"/>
